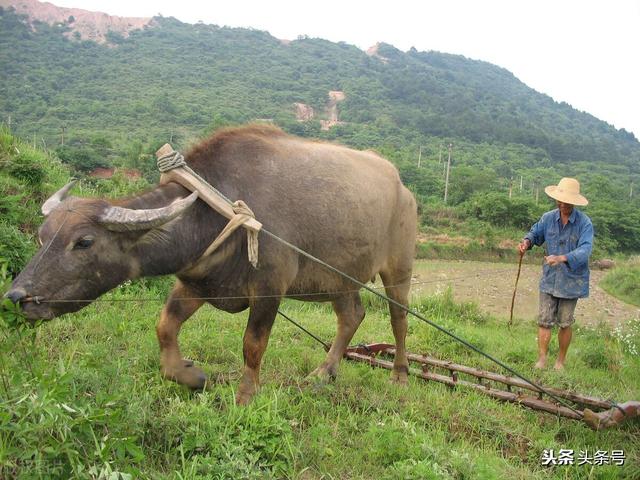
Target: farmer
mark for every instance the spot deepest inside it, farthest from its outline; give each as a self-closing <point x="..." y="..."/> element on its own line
<point x="568" y="234"/>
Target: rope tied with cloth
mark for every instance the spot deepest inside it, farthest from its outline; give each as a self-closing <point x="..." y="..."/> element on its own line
<point x="242" y="214"/>
<point x="174" y="168"/>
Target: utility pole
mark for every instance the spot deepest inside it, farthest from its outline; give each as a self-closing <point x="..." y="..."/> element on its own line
<point x="446" y="180"/>
<point x="419" y="156"/>
<point x="9" y="123"/>
<point x="520" y="183"/>
<point x="631" y="190"/>
<point x="510" y="187"/>
<point x="62" y="135"/>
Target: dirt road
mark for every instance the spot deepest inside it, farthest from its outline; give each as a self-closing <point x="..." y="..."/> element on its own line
<point x="490" y="285"/>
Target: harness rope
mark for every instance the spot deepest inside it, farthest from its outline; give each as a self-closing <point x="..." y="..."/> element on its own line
<point x="481" y="273"/>
<point x="173" y="160"/>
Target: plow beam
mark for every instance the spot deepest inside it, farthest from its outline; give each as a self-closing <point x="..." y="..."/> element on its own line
<point x="598" y="413"/>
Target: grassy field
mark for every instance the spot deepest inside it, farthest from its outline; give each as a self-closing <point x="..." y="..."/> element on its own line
<point x="81" y="397"/>
<point x="624" y="282"/>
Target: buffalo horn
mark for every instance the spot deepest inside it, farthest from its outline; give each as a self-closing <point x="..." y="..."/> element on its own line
<point x="121" y="219"/>
<point x="57" y="198"/>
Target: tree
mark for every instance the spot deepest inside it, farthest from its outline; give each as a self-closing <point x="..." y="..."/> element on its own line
<point x="466" y="181"/>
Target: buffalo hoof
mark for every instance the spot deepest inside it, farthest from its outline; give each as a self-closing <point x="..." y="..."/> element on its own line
<point x="399" y="375"/>
<point x="246" y="391"/>
<point x="322" y="375"/>
<point x="187" y="374"/>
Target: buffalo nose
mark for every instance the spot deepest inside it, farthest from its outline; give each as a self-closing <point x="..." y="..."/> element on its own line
<point x="16" y="294"/>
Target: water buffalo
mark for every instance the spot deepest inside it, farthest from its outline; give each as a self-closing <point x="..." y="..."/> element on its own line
<point x="348" y="208"/>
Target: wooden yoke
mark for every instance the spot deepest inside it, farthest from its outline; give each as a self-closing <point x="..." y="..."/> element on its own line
<point x="183" y="177"/>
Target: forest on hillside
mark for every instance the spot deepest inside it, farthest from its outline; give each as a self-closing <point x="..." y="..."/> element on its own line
<point x="93" y="105"/>
<point x="83" y="397"/>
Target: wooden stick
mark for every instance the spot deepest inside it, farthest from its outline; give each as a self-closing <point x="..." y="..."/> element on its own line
<point x="526" y="400"/>
<point x="506" y="380"/>
<point x="515" y="289"/>
<point x="612" y="417"/>
<point x="188" y="181"/>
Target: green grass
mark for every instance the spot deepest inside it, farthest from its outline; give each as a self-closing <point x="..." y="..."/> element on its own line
<point x="81" y="397"/>
<point x="474" y="251"/>
<point x="624" y="282"/>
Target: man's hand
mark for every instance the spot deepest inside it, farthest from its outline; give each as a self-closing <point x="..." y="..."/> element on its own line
<point x="553" y="260"/>
<point x="523" y="246"/>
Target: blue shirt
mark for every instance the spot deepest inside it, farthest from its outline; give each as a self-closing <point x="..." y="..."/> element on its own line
<point x="575" y="239"/>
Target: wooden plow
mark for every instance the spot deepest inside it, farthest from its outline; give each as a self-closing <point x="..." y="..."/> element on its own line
<point x="595" y="412"/>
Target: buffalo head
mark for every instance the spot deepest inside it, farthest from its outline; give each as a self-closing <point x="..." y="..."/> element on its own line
<point x="85" y="250"/>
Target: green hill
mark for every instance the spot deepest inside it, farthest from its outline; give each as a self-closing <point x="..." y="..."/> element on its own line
<point x="114" y="103"/>
<point x="182" y="77"/>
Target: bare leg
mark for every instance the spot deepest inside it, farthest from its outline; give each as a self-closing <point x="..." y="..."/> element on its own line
<point x="256" y="336"/>
<point x="544" y="337"/>
<point x="350" y="313"/>
<point x="398" y="287"/>
<point x="564" y="340"/>
<point x="173" y="315"/>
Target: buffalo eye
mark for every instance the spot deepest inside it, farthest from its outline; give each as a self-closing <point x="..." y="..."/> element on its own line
<point x="83" y="243"/>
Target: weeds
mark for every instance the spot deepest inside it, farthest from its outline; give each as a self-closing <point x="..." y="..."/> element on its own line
<point x="624" y="282"/>
<point x="629" y="336"/>
<point x="92" y="404"/>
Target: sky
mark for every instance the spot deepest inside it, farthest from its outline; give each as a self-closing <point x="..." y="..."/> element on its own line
<point x="585" y="53"/>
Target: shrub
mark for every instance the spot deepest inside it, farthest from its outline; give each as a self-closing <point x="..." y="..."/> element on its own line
<point x="27" y="167"/>
<point x="83" y="159"/>
<point x="502" y="211"/>
<point x="15" y="247"/>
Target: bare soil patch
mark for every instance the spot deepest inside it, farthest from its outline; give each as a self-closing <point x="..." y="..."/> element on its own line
<point x="490" y="285"/>
<point x="444" y="239"/>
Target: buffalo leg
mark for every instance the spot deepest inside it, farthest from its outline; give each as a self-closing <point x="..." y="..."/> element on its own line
<point x="350" y="313"/>
<point x="256" y="336"/>
<point x="397" y="288"/>
<point x="178" y="308"/>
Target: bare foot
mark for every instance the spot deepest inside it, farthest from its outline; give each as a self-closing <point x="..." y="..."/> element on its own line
<point x="558" y="366"/>
<point x="540" y="363"/>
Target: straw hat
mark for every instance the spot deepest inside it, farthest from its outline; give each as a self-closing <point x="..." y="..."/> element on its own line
<point x="567" y="191"/>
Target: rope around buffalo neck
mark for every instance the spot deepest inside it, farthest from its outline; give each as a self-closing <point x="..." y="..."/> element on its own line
<point x="176" y="160"/>
<point x="242" y="211"/>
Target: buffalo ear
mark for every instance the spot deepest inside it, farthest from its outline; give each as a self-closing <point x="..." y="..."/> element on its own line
<point x="120" y="219"/>
<point x="57" y="198"/>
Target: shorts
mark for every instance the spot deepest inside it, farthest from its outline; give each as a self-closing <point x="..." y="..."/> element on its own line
<point x="556" y="311"/>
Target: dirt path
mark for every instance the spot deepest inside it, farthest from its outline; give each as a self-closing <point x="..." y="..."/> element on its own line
<point x="491" y="286"/>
